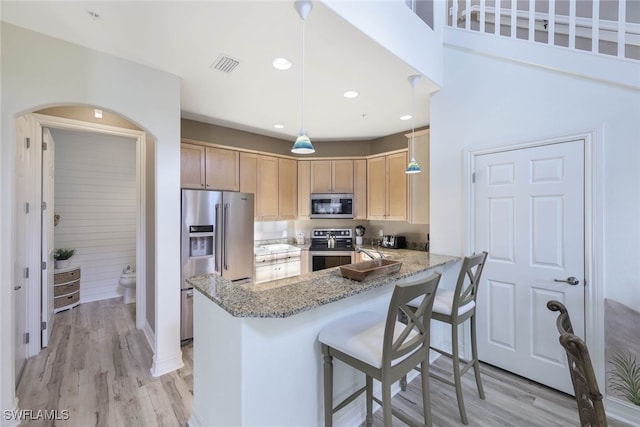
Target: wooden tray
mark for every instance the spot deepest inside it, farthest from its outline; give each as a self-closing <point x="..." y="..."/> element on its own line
<point x="368" y="269"/>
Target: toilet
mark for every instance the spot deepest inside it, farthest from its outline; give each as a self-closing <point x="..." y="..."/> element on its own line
<point x="128" y="282"/>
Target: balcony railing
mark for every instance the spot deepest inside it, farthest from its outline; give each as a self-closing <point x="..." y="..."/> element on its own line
<point x="606" y="27"/>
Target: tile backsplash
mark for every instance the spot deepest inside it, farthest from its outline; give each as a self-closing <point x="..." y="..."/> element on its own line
<point x="269" y="232"/>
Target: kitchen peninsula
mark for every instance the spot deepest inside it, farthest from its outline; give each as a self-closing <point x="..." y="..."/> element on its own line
<point x="256" y="358"/>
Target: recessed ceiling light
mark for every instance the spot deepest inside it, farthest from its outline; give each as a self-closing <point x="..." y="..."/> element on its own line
<point x="281" y="64"/>
<point x="278" y="126"/>
<point x="351" y="94"/>
<point x="405" y="117"/>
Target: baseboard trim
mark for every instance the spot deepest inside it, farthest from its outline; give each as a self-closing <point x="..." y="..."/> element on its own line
<point x="170" y="364"/>
<point x="194" y="420"/>
<point x="149" y="334"/>
<point x="622" y="411"/>
<point x="89" y="296"/>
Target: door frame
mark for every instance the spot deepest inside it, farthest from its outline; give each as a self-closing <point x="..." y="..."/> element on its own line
<point x="593" y="227"/>
<point x="33" y="299"/>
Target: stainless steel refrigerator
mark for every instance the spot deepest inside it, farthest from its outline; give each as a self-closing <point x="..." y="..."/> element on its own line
<point x="217" y="238"/>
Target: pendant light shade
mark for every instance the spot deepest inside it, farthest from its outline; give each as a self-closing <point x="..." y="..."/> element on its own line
<point x="303" y="143"/>
<point x="413" y="166"/>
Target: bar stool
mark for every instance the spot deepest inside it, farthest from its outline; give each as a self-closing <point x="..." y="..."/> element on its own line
<point x="384" y="349"/>
<point x="455" y="308"/>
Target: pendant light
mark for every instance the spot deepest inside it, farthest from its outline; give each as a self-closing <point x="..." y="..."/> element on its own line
<point x="413" y="166"/>
<point x="303" y="143"/>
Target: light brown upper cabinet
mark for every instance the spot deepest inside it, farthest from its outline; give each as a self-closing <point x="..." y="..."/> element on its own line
<point x="360" y="189"/>
<point x="259" y="175"/>
<point x="287" y="188"/>
<point x="332" y="176"/>
<point x="192" y="166"/>
<point x="304" y="189"/>
<point x="387" y="187"/>
<point x="273" y="181"/>
<point x="209" y="168"/>
<point x="418" y="209"/>
<point x="249" y="177"/>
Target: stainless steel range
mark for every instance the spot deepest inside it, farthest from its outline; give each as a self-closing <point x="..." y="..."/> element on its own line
<point x="331" y="247"/>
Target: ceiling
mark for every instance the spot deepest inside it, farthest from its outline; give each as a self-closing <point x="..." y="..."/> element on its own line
<point x="185" y="38"/>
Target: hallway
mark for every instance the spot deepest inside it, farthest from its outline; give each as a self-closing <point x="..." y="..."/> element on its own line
<point x="97" y="367"/>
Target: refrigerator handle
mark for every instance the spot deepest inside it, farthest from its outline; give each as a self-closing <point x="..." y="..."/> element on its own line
<point x="224" y="235"/>
<point x="217" y="247"/>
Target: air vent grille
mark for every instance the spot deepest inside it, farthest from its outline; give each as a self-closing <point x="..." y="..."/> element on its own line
<point x="225" y="63"/>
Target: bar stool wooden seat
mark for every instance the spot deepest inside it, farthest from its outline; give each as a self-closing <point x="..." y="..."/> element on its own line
<point x="382" y="348"/>
<point x="455" y="308"/>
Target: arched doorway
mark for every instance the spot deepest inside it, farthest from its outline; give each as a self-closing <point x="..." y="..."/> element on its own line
<point x="37" y="290"/>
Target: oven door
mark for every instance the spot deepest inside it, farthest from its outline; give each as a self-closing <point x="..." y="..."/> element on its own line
<point x="327" y="259"/>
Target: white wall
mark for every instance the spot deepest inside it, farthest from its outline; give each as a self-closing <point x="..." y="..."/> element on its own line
<point x="95" y="196"/>
<point x="489" y="102"/>
<point x="502" y="103"/>
<point x="397" y="29"/>
<point x="39" y="71"/>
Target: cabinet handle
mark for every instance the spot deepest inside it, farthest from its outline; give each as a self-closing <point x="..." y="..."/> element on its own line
<point x="17" y="288"/>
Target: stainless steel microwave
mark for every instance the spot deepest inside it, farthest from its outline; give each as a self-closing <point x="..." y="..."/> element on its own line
<point x="331" y="205"/>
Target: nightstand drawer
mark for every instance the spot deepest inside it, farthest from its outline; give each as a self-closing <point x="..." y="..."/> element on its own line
<point x="67" y="276"/>
<point x="66" y="300"/>
<point x="67" y="288"/>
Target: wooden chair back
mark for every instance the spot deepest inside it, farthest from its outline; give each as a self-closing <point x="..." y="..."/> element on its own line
<point x="588" y="396"/>
<point x="396" y="345"/>
<point x="468" y="281"/>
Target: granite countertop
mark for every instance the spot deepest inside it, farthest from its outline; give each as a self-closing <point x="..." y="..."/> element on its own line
<point x="293" y="295"/>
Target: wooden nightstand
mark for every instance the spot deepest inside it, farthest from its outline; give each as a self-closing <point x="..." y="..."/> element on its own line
<point x="66" y="289"/>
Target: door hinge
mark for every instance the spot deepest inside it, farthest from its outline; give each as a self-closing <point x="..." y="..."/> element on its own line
<point x="27" y="142"/>
<point x="44" y="265"/>
<point x="26" y="273"/>
<point x="44" y="326"/>
<point x="473" y="177"/>
<point x="44" y="146"/>
<point x="26" y="338"/>
<point x="26" y="207"/>
<point x="44" y="206"/>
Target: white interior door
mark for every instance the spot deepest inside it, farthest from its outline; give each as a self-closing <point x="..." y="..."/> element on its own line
<point x="47" y="246"/>
<point x="19" y="285"/>
<point x="529" y="216"/>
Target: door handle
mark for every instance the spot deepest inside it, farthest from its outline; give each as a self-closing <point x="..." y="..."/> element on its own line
<point x="570" y="280"/>
<point x="17" y="288"/>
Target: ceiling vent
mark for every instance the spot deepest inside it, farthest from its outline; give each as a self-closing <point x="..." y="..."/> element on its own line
<point x="225" y="63"/>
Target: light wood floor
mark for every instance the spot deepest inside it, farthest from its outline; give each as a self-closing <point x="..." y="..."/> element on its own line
<point x="98" y="368"/>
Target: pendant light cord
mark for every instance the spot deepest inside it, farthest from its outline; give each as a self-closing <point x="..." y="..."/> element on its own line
<point x="413" y="120"/>
<point x="302" y="86"/>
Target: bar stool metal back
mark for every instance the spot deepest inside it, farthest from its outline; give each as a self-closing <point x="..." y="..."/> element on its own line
<point x="588" y="396"/>
<point x="382" y="348"/>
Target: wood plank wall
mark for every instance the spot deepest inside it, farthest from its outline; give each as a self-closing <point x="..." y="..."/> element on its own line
<point x="95" y="196"/>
